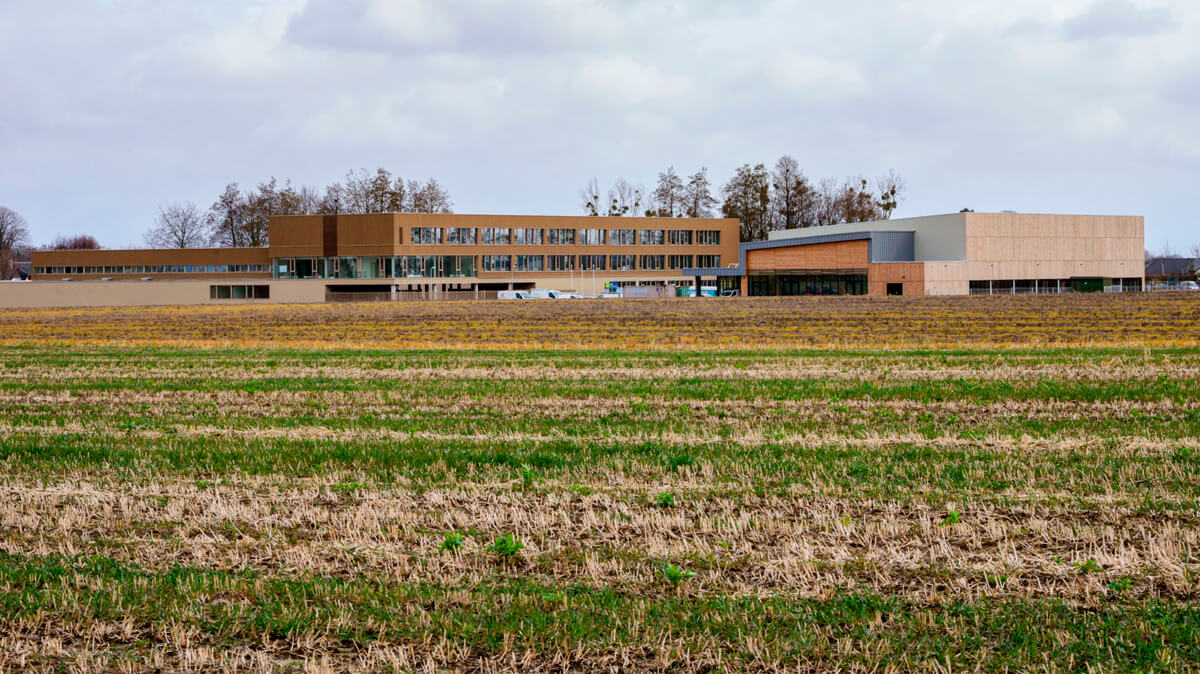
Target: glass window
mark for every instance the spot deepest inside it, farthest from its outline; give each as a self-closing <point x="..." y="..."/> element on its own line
<point x="622" y="262"/>
<point x="523" y="237"/>
<point x="530" y="263"/>
<point x="679" y="261"/>
<point x="495" y="236"/>
<point x="591" y="237"/>
<point x="426" y="235"/>
<point x="651" y="262"/>
<point x="591" y="262"/>
<point x="562" y="237"/>
<point x="497" y="263"/>
<point x="708" y="260"/>
<point x="622" y="237"/>
<point x="561" y="262"/>
<point x="708" y="237"/>
<point x="679" y="237"/>
<point x="651" y="237"/>
<point x="463" y="236"/>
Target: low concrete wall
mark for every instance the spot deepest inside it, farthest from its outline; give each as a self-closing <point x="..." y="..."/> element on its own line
<point x="39" y="294"/>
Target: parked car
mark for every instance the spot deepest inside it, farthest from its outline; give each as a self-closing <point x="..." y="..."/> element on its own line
<point x="731" y="292"/>
<point x="539" y="294"/>
<point x="514" y="295"/>
<point x="1189" y="285"/>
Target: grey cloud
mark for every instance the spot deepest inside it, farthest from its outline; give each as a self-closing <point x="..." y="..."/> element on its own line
<point x="1118" y="18"/>
<point x="422" y="26"/>
<point x="514" y="104"/>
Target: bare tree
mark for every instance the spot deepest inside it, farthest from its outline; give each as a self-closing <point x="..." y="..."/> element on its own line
<point x="891" y="193"/>
<point x="258" y="208"/>
<point x="226" y="218"/>
<point x="589" y="196"/>
<point x="397" y="197"/>
<point x="75" y="242"/>
<point x="748" y="198"/>
<point x="180" y="225"/>
<point x="309" y="200"/>
<point x="669" y="195"/>
<point x="431" y="198"/>
<point x="334" y="201"/>
<point x="698" y="198"/>
<point x="826" y="207"/>
<point x="624" y="198"/>
<point x="854" y="202"/>
<point x="793" y="199"/>
<point x="14" y="238"/>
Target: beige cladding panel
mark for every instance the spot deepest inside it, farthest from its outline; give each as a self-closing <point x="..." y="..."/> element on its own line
<point x="36" y="294"/>
<point x="1031" y="246"/>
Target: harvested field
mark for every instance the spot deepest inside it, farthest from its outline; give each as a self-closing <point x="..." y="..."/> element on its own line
<point x="181" y="490"/>
<point x="1150" y="319"/>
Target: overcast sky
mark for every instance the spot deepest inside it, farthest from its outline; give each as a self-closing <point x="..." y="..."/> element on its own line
<point x="110" y="108"/>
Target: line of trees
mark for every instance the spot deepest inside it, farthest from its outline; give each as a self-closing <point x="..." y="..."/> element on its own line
<point x="764" y="200"/>
<point x="15" y="244"/>
<point x="240" y="218"/>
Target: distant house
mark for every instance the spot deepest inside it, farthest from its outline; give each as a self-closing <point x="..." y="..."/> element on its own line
<point x="1171" y="270"/>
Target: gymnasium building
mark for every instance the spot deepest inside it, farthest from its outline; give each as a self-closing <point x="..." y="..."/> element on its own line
<point x="955" y="254"/>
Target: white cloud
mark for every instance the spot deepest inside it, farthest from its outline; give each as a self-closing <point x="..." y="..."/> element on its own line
<point x="1118" y="18"/>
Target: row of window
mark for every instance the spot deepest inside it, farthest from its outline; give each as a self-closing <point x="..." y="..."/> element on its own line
<point x="448" y="266"/>
<point x="1052" y="286"/>
<point x="493" y="236"/>
<point x="499" y="263"/>
<point x="239" y="292"/>
<point x="373" y="266"/>
<point x="157" y="269"/>
<point x="816" y="283"/>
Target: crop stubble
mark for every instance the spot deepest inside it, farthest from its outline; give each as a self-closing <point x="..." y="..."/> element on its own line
<point x="272" y="505"/>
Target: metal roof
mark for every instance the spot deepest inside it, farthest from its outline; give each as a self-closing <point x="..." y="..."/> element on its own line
<point x="1171" y="266"/>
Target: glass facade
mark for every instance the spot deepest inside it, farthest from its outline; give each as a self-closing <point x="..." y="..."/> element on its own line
<point x="680" y="261"/>
<point x="533" y="237"/>
<point x="808" y="283"/>
<point x="622" y="237"/>
<point x="622" y="262"/>
<point x="530" y="263"/>
<point x="591" y="237"/>
<point x="376" y="266"/>
<point x="651" y="262"/>
<point x="652" y="237"/>
<point x="591" y="262"/>
<point x="426" y="235"/>
<point x="158" y="269"/>
<point x="495" y="236"/>
<point x="497" y="263"/>
<point x="463" y="236"/>
<point x="562" y="237"/>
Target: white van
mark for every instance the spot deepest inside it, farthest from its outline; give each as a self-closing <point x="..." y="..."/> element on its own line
<point x="544" y="294"/>
<point x="513" y="295"/>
